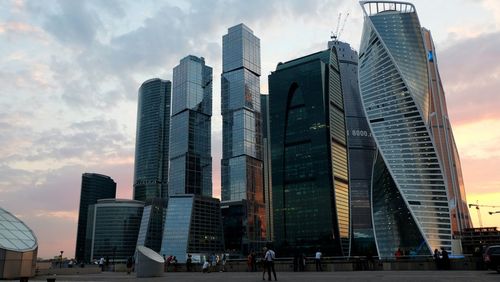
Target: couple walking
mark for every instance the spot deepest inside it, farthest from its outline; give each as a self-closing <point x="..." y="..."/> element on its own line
<point x="269" y="257"/>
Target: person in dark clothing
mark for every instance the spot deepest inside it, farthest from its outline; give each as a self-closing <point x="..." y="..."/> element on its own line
<point x="254" y="261"/>
<point x="189" y="263"/>
<point x="445" y="259"/>
<point x="437" y="258"/>
<point x="129" y="265"/>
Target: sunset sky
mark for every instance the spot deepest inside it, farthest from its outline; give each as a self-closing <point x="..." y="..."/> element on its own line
<point x="70" y="70"/>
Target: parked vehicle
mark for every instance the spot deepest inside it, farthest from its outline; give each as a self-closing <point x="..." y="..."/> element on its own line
<point x="491" y="257"/>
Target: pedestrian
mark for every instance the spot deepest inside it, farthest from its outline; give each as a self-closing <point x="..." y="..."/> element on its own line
<point x="398" y="254"/>
<point x="269" y="258"/>
<point x="189" y="263"/>
<point x="264" y="263"/>
<point x="249" y="262"/>
<point x="223" y="263"/>
<point x="317" y="259"/>
<point x="206" y="267"/>
<point x="254" y="261"/>
<point x="437" y="258"/>
<point x="101" y="263"/>
<point x="129" y="265"/>
<point x="167" y="263"/>
<point x="445" y="259"/>
<point x="302" y="264"/>
<point x="174" y="263"/>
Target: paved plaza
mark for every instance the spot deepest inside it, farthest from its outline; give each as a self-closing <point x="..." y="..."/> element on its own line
<point x="397" y="276"/>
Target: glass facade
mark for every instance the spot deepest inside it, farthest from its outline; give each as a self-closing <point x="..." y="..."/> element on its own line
<point x="112" y="229"/>
<point x="266" y="136"/>
<point x="361" y="151"/>
<point x="152" y="140"/>
<point x="445" y="142"/>
<point x="310" y="184"/>
<point x="18" y="248"/>
<point x="190" y="142"/>
<point x="152" y="222"/>
<point x="193" y="225"/>
<point x="393" y="80"/>
<point x="94" y="187"/>
<point x="241" y="164"/>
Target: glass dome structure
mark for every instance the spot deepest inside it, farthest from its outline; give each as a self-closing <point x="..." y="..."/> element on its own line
<point x="18" y="248"/>
<point x="14" y="234"/>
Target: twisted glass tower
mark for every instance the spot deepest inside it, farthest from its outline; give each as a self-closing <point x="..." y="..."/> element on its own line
<point x="190" y="157"/>
<point x="409" y="192"/>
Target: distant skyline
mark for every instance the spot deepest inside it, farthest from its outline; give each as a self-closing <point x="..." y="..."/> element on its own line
<point x="70" y="71"/>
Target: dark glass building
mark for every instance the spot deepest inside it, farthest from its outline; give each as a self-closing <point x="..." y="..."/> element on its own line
<point x="410" y="204"/>
<point x="193" y="226"/>
<point x="112" y="229"/>
<point x="152" y="140"/>
<point x="361" y="152"/>
<point x="152" y="222"/>
<point x="241" y="164"/>
<point x="266" y="135"/>
<point x="190" y="141"/>
<point x="94" y="187"/>
<point x="310" y="181"/>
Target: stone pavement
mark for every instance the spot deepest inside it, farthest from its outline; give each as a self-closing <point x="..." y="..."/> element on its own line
<point x="396" y="276"/>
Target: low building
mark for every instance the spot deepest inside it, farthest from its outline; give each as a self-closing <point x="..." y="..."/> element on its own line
<point x="473" y="238"/>
<point x="112" y="229"/>
<point x="18" y="248"/>
<point x="193" y="225"/>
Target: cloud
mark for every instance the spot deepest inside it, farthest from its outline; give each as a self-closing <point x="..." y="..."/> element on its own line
<point x="470" y="70"/>
<point x="75" y="24"/>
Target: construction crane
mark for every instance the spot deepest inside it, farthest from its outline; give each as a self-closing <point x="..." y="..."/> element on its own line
<point x="340" y="27"/>
<point x="491" y="213"/>
<point x="477" y="205"/>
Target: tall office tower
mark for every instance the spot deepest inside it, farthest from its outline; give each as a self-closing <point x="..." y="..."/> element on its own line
<point x="152" y="222"/>
<point x="266" y="142"/>
<point x="409" y="192"/>
<point x="94" y="187"/>
<point x="242" y="170"/>
<point x="439" y="123"/>
<point x="310" y="183"/>
<point x="190" y="157"/>
<point x="193" y="226"/>
<point x="361" y="152"/>
<point x="112" y="229"/>
<point x="151" y="140"/>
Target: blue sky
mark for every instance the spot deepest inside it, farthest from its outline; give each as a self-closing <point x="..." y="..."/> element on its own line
<point x="70" y="71"/>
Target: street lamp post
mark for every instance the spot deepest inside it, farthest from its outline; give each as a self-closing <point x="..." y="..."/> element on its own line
<point x="61" y="259"/>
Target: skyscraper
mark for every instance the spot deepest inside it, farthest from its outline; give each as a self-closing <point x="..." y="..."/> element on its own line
<point x="409" y="192"/>
<point x="241" y="165"/>
<point x="190" y="143"/>
<point x="361" y="152"/>
<point x="152" y="138"/>
<point x="94" y="187"/>
<point x="310" y="184"/>
<point x="439" y="123"/>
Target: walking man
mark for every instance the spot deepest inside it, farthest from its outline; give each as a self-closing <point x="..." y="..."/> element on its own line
<point x="317" y="259"/>
<point x="269" y="259"/>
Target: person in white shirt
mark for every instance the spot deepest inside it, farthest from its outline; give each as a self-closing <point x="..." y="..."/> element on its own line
<point x="317" y="259"/>
<point x="269" y="259"/>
